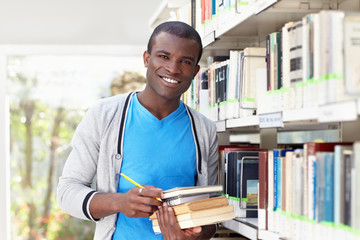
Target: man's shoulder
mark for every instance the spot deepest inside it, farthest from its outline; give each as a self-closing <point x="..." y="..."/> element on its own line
<point x="109" y="106"/>
<point x="109" y="103"/>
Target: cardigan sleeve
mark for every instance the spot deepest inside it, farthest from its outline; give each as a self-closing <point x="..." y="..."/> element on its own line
<point x="74" y="191"/>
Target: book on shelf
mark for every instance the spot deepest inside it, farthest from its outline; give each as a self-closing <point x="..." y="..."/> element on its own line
<point x="263" y="191"/>
<point x="252" y="60"/>
<point x="233" y="90"/>
<point x="190" y="191"/>
<point x="307" y="59"/>
<point x="349" y="188"/>
<point x="339" y="183"/>
<point x="223" y="159"/>
<point x="351" y="53"/>
<point x="324" y="200"/>
<point x="356" y="193"/>
<point x="242" y="182"/>
<point x="311" y="148"/>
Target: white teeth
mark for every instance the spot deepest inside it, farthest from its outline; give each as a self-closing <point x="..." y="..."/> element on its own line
<point x="170" y="80"/>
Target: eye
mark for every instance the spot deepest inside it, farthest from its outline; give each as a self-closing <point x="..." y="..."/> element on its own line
<point x="164" y="56"/>
<point x="186" y="62"/>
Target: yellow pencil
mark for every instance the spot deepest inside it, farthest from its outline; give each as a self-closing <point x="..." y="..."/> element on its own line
<point x="135" y="183"/>
<point x="130" y="180"/>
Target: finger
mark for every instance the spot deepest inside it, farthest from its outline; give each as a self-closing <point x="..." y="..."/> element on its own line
<point x="146" y="208"/>
<point x="169" y="216"/>
<point x="155" y="194"/>
<point x="193" y="232"/>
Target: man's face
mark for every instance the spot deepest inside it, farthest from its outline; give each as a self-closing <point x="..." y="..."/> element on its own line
<point x="171" y="66"/>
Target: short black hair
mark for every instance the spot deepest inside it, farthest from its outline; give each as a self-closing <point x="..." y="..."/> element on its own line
<point x="178" y="29"/>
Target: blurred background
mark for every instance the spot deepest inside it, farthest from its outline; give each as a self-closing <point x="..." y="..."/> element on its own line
<point x="56" y="59"/>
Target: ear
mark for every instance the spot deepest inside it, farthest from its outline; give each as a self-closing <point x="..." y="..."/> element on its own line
<point x="146" y="57"/>
<point x="196" y="70"/>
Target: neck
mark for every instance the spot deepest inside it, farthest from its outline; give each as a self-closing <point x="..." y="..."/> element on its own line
<point x="159" y="107"/>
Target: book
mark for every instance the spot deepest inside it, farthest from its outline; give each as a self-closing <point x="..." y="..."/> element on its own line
<point x="223" y="161"/>
<point x="253" y="59"/>
<point x="242" y="178"/>
<point x="307" y="58"/>
<point x="351" y="52"/>
<point x="349" y="185"/>
<point x="188" y="191"/>
<point x="356" y="194"/>
<point x="198" y="205"/>
<point x="311" y="149"/>
<point x="339" y="183"/>
<point x="185" y="199"/>
<point x="200" y="214"/>
<point x="194" y="222"/>
<point x="263" y="190"/>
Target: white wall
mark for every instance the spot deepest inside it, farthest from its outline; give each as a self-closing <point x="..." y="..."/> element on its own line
<point x="4" y="156"/>
<point x="76" y="22"/>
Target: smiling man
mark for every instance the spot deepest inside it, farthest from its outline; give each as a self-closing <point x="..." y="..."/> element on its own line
<point x="150" y="136"/>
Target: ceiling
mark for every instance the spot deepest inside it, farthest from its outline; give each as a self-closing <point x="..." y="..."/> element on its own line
<point x="87" y="22"/>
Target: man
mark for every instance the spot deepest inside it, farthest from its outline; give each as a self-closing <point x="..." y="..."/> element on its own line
<point x="150" y="136"/>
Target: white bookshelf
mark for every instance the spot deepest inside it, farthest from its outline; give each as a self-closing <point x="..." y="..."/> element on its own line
<point x="253" y="26"/>
<point x="165" y="10"/>
<point x="247" y="227"/>
<point x="248" y="28"/>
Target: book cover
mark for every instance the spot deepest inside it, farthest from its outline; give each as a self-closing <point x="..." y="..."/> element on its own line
<point x="270" y="190"/>
<point x="193" y="190"/>
<point x="247" y="179"/>
<point x="232" y="102"/>
<point x="320" y="187"/>
<point x="253" y="59"/>
<point x="339" y="183"/>
<point x="329" y="187"/>
<point x="351" y="53"/>
<point x="185" y="199"/>
<point x="263" y="190"/>
<point x="349" y="176"/>
<point x="223" y="154"/>
<point x="356" y="201"/>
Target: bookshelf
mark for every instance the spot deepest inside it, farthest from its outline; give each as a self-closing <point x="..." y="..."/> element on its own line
<point x="247" y="24"/>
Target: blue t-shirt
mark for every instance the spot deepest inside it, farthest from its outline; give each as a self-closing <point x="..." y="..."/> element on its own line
<point x="156" y="152"/>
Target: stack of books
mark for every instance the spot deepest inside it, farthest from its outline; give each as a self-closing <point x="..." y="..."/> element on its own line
<point x="194" y="206"/>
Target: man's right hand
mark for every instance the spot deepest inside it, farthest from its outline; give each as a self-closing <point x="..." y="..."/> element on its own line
<point x="131" y="203"/>
<point x="141" y="202"/>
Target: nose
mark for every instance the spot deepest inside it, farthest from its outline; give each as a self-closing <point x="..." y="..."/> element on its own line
<point x="173" y="67"/>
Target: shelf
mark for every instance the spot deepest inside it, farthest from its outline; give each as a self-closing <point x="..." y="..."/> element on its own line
<point x="259" y="19"/>
<point x="243" y="122"/>
<point x="338" y="112"/>
<point x="268" y="235"/>
<point x="246" y="227"/>
<point x="309" y="114"/>
<point x="327" y="117"/>
<point x="164" y="11"/>
<point x="220" y="126"/>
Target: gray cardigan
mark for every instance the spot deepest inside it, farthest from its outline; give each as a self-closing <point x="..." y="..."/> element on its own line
<point x="97" y="154"/>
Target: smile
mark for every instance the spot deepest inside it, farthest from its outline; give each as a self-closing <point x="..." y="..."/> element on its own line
<point x="170" y="80"/>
